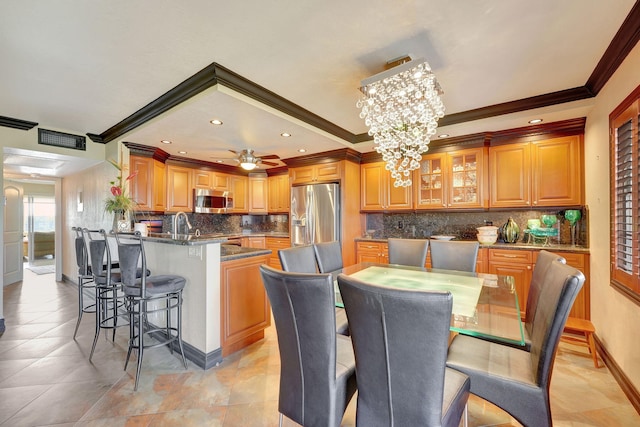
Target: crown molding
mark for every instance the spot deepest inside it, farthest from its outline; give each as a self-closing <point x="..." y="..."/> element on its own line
<point x="10" y="122"/>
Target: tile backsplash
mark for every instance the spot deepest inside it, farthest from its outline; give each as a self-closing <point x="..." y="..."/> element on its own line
<point x="463" y="224"/>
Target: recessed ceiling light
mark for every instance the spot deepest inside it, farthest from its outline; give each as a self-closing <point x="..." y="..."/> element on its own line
<point x="216" y="122"/>
<point x="443" y="135"/>
<point x="302" y="150"/>
<point x="285" y="134"/>
<point x="534" y="121"/>
<point x="166" y="141"/>
<point x="182" y="152"/>
<point x="219" y="161"/>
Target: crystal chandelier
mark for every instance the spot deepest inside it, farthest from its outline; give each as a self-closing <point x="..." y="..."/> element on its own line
<point x="401" y="107"/>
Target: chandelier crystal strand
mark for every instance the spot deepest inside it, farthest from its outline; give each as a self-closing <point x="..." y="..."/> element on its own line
<point x="402" y="113"/>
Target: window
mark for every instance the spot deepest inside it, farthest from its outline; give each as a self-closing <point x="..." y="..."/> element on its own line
<point x="624" y="122"/>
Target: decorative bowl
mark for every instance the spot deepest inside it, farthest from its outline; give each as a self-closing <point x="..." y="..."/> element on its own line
<point x="442" y="237"/>
<point x="487" y="229"/>
<point x="485" y="239"/>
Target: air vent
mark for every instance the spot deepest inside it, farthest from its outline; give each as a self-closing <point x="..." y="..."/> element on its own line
<point x="60" y="139"/>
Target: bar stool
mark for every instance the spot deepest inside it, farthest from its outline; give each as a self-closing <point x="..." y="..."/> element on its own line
<point x="155" y="295"/>
<point x="110" y="298"/>
<point x="85" y="278"/>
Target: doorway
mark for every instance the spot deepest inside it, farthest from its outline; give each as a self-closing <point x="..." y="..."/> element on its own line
<point x="39" y="208"/>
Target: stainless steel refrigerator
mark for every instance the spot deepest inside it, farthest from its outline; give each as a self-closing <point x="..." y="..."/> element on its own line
<point x="315" y="214"/>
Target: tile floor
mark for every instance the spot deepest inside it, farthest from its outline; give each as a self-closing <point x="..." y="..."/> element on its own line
<point x="46" y="378"/>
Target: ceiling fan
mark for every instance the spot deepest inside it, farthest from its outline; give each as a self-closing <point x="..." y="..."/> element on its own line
<point x="248" y="160"/>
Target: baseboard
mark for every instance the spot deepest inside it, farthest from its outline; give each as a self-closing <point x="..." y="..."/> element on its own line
<point x="618" y="374"/>
<point x="198" y="357"/>
<point x="2" y="328"/>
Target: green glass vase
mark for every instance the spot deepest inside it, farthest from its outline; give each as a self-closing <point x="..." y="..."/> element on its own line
<point x="510" y="231"/>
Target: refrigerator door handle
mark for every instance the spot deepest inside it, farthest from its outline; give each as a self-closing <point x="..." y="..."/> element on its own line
<point x="311" y="218"/>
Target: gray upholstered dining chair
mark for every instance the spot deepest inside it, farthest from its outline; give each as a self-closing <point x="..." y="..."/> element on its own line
<point x="513" y="379"/>
<point x="400" y="340"/>
<point x="299" y="259"/>
<point x="317" y="366"/>
<point x="408" y="251"/>
<point x="453" y="255"/>
<point x="302" y="259"/>
<point x="328" y="256"/>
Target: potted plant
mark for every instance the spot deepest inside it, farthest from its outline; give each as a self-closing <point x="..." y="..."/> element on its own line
<point x="120" y="203"/>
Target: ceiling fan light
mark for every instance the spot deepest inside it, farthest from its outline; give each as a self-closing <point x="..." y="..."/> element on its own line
<point x="248" y="166"/>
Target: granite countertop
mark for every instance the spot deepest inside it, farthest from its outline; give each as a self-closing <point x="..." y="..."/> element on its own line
<point x="204" y="239"/>
<point x="516" y="246"/>
<point x="231" y="252"/>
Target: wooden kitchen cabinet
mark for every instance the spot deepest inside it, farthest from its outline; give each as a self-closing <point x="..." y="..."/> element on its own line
<point x="239" y="190"/>
<point x="582" y="305"/>
<point x="378" y="192"/>
<point x="515" y="263"/>
<point x="279" y="194"/>
<point x="179" y="189"/>
<point x="275" y="244"/>
<point x="148" y="187"/>
<point x="537" y="174"/>
<point x="253" y="242"/>
<point x="372" y="252"/>
<point x="315" y="173"/>
<point x="454" y="180"/>
<point x="258" y="194"/>
<point x="210" y="180"/>
<point x="245" y="310"/>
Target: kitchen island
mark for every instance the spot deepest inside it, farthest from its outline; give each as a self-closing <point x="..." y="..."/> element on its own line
<point x="225" y="306"/>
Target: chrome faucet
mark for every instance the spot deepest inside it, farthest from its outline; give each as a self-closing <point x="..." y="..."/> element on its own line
<point x="175" y="222"/>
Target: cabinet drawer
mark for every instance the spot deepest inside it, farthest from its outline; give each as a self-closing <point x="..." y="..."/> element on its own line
<point x="507" y="255"/>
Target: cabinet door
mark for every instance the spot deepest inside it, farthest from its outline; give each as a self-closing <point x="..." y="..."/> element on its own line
<point x="202" y="179"/>
<point x="239" y="191"/>
<point x="582" y="305"/>
<point x="279" y="193"/>
<point x="303" y="175"/>
<point x="397" y="198"/>
<point x="258" y="194"/>
<point x="179" y="189"/>
<point x="557" y="172"/>
<point x="220" y="181"/>
<point x="159" y="191"/>
<point x="429" y="183"/>
<point x="466" y="179"/>
<point x="510" y="172"/>
<point x="327" y="172"/>
<point x="275" y="244"/>
<point x="372" y="186"/>
<point x="516" y="263"/>
<point x="141" y="184"/>
<point x="253" y="242"/>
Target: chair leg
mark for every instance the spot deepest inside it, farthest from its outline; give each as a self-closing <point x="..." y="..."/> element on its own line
<point x="280" y="423"/>
<point x="167" y="329"/>
<point x="142" y="314"/>
<point x="132" y="329"/>
<point x="99" y="314"/>
<point x="466" y="415"/>
<point x="80" y="306"/>
<point x="592" y="349"/>
<point x="179" y="326"/>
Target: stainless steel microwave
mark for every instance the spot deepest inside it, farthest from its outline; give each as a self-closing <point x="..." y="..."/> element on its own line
<point x="212" y="201"/>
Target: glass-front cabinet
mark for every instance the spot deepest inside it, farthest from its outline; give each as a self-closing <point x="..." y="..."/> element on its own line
<point x="455" y="180"/>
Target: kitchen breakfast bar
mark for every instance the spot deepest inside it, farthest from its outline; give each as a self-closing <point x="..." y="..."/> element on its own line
<point x="225" y="307"/>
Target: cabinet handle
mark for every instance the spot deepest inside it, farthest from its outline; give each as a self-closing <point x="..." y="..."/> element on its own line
<point x="535" y="202"/>
<point x="509" y="256"/>
<point x="528" y="267"/>
<point x="528" y="202"/>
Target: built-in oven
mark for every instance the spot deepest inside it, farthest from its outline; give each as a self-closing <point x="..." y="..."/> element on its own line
<point x="212" y="201"/>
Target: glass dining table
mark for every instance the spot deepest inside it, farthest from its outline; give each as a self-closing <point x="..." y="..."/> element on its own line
<point x="484" y="305"/>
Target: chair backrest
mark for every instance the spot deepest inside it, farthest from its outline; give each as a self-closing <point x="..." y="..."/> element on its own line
<point x="400" y="339"/>
<point x="543" y="262"/>
<point x="298" y="259"/>
<point x="95" y="243"/>
<point x="451" y="255"/>
<point x="557" y="294"/>
<point x="408" y="251"/>
<point x="303" y="310"/>
<point x="81" y="252"/>
<point x="328" y="256"/>
<point x="131" y="257"/>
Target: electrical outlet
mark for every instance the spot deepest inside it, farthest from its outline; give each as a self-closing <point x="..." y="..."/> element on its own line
<point x="400" y="225"/>
<point x="195" y="251"/>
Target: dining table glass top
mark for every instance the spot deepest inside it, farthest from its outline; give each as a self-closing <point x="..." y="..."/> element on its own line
<point x="484" y="305"/>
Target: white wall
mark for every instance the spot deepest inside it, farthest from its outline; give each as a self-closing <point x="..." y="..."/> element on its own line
<point x="615" y="317"/>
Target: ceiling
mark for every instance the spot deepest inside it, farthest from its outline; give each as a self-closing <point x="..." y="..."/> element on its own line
<point x="84" y="67"/>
